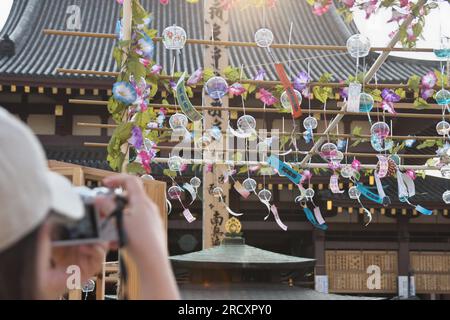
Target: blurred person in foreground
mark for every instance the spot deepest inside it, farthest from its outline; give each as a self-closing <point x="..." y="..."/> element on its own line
<point x="30" y="267"/>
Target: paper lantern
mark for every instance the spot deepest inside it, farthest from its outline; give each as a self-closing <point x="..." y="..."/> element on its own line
<point x="366" y="102"/>
<point x="216" y="87"/>
<point x="310" y="123"/>
<point x="174" y="38"/>
<point x="443" y="128"/>
<point x="174" y="192"/>
<point x="264" y="38"/>
<point x="286" y="102"/>
<point x="358" y="46"/>
<point x="446" y="197"/>
<point x="196" y="182"/>
<point x="443" y="97"/>
<point x="354" y="193"/>
<point x="265" y="195"/>
<point x="175" y="163"/>
<point x="249" y="184"/>
<point x="178" y="121"/>
<point x="246" y="124"/>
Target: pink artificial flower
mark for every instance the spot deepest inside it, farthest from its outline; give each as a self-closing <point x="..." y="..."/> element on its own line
<point x="144" y="62"/>
<point x="334" y="165"/>
<point x="404" y="3"/>
<point x="426" y="93"/>
<point x="164" y="2"/>
<point x="356" y="164"/>
<point x="163" y="111"/>
<point x="236" y="89"/>
<point x="145" y="161"/>
<point x="306" y="176"/>
<point x="120" y="1"/>
<point x="271" y="3"/>
<point x="254" y="168"/>
<point x="411" y="173"/>
<point x="348" y="3"/>
<point x="156" y="69"/>
<point x="388" y="107"/>
<point x="209" y="168"/>
<point x="429" y="80"/>
<point x="183" y="167"/>
<point x="410" y="33"/>
<point x="195" y="77"/>
<point x="369" y="7"/>
<point x="266" y="97"/>
<point x="321" y="7"/>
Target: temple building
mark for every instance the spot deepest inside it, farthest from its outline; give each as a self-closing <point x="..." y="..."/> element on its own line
<point x="410" y="250"/>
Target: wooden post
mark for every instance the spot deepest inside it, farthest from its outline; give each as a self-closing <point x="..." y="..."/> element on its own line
<point x="216" y="57"/>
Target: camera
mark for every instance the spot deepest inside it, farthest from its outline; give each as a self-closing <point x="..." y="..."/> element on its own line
<point x="92" y="227"/>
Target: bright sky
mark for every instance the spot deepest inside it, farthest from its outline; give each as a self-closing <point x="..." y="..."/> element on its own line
<point x="377" y="30"/>
<point x="5" y="7"/>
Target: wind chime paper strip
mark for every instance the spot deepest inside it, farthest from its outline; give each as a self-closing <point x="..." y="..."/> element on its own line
<point x="383" y="166"/>
<point x="241" y="190"/>
<point x="312" y="220"/>
<point x="296" y="109"/>
<point x="240" y="134"/>
<point x="369" y="194"/>
<point x="228" y="208"/>
<point x="169" y="207"/>
<point x="318" y="215"/>
<point x="191" y="191"/>
<point x="185" y="104"/>
<point x="188" y="215"/>
<point x="423" y="210"/>
<point x="284" y="170"/>
<point x="277" y="218"/>
<point x="334" y="184"/>
<point x="381" y="193"/>
<point x="354" y="91"/>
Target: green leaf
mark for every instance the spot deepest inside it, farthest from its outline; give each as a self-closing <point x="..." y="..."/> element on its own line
<point x="420" y="103"/>
<point x="135" y="168"/>
<point x="401" y="93"/>
<point x="232" y="74"/>
<point x="169" y="173"/>
<point x="426" y="144"/>
<point x="357" y="131"/>
<point x="143" y="118"/>
<point x="414" y="83"/>
<point x="118" y="55"/>
<point x="243" y="169"/>
<point x="208" y="73"/>
<point x="376" y="95"/>
<point x="136" y="68"/>
<point x="322" y="93"/>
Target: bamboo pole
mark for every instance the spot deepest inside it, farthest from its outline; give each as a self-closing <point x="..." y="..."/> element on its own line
<point x="238" y="43"/>
<point x="261" y="83"/>
<point x="333" y="136"/>
<point x="350" y="154"/>
<point x="277" y="111"/>
<point x="297" y="164"/>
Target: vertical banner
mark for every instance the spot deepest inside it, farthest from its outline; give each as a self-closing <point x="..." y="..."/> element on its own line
<point x="215" y="214"/>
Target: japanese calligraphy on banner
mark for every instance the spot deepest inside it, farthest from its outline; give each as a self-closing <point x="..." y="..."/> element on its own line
<point x="215" y="214"/>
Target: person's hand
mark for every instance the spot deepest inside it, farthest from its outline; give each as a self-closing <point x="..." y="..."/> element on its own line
<point x="55" y="281"/>
<point x="142" y="219"/>
<point x="146" y="236"/>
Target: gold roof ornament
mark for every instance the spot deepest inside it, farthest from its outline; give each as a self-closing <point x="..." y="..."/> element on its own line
<point x="233" y="227"/>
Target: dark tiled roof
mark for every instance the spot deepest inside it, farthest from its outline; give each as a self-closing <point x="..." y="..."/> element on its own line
<point x="235" y="254"/>
<point x="257" y="292"/>
<point x="39" y="55"/>
<point x="88" y="157"/>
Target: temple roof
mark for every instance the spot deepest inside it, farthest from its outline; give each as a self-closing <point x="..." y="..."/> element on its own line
<point x="258" y="292"/>
<point x="235" y="254"/>
<point x="39" y="55"/>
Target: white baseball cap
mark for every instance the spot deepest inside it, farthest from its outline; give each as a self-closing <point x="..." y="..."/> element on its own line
<point x="28" y="189"/>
